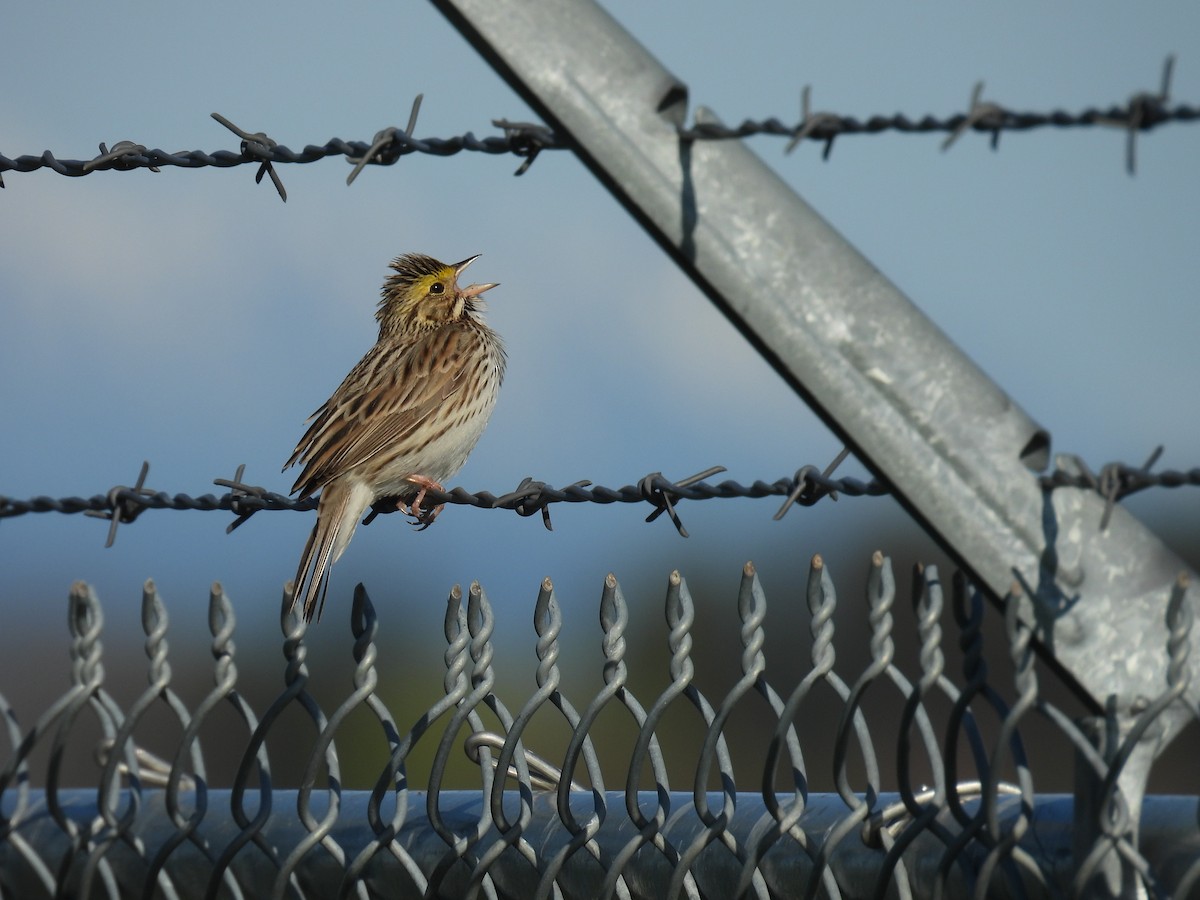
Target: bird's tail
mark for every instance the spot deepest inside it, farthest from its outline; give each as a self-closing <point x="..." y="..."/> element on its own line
<point x="338" y="512"/>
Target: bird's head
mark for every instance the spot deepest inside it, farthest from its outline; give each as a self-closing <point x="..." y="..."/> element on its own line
<point x="424" y="293"/>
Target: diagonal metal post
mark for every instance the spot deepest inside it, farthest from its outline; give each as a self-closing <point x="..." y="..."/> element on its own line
<point x="961" y="455"/>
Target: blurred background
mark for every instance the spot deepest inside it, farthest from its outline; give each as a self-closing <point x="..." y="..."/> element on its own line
<point x="191" y="319"/>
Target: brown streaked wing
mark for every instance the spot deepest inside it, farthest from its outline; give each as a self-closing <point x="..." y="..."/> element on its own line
<point x="383" y="402"/>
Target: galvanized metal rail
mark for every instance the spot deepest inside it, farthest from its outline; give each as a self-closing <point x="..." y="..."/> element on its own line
<point x="961" y="455"/>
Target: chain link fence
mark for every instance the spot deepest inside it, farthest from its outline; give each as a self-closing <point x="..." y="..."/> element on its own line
<point x="963" y="818"/>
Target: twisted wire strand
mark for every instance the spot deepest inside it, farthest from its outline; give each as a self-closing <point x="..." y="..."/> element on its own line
<point x="512" y="757"/>
<point x="477" y="624"/>
<point x="11" y="819"/>
<point x="581" y="745"/>
<point x="881" y="593"/>
<point x="924" y="808"/>
<point x="785" y="818"/>
<point x="295" y="653"/>
<point x="364" y="625"/>
<point x="187" y="826"/>
<point x="968" y="606"/>
<point x="822" y="601"/>
<point x="681" y="615"/>
<point x="752" y="607"/>
<point x="922" y="812"/>
<point x="547" y="624"/>
<point x="323" y="753"/>
<point x="394" y="777"/>
<point x="1006" y="854"/>
<point x="752" y="611"/>
<point x="221" y="624"/>
<point x="457" y="686"/>
<point x="255" y="762"/>
<point x="86" y="620"/>
<point x="119" y="827"/>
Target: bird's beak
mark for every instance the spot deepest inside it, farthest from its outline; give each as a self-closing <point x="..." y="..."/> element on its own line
<point x="461" y="267"/>
<point x="475" y="290"/>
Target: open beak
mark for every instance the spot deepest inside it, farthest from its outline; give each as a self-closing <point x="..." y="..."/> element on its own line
<point x="475" y="290"/>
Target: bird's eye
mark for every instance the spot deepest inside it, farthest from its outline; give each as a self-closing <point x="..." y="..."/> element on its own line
<point x="437" y="288"/>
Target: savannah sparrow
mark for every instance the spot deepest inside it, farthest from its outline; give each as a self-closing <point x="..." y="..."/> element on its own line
<point x="404" y="419"/>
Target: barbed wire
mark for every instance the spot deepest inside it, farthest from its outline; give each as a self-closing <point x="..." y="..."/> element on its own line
<point x="810" y="484"/>
<point x="1143" y="112"/>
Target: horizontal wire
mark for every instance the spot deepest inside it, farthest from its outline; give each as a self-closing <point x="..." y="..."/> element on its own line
<point x="123" y="504"/>
<point x="1142" y="112"/>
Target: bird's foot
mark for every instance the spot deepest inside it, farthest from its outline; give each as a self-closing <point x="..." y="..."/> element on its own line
<point x="422" y="518"/>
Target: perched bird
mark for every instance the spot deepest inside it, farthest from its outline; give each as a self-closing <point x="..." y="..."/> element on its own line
<point x="405" y="418"/>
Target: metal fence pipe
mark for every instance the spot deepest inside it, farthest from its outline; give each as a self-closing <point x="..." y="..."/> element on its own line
<point x="959" y="452"/>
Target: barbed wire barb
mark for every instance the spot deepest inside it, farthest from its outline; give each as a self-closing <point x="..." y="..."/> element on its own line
<point x="657" y="490"/>
<point x="123" y="156"/>
<point x="257" y="147"/>
<point x="1144" y="106"/>
<point x="123" y="507"/>
<point x="811" y="486"/>
<point x="237" y="490"/>
<point x="381" y="150"/>
<point x="1111" y="481"/>
<point x="528" y="139"/>
<point x="810" y="123"/>
<point x="989" y="116"/>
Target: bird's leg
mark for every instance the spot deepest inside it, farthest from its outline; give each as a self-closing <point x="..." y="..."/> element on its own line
<point x="421" y="517"/>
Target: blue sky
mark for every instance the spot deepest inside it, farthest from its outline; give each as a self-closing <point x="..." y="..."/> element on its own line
<point x="192" y="319"/>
